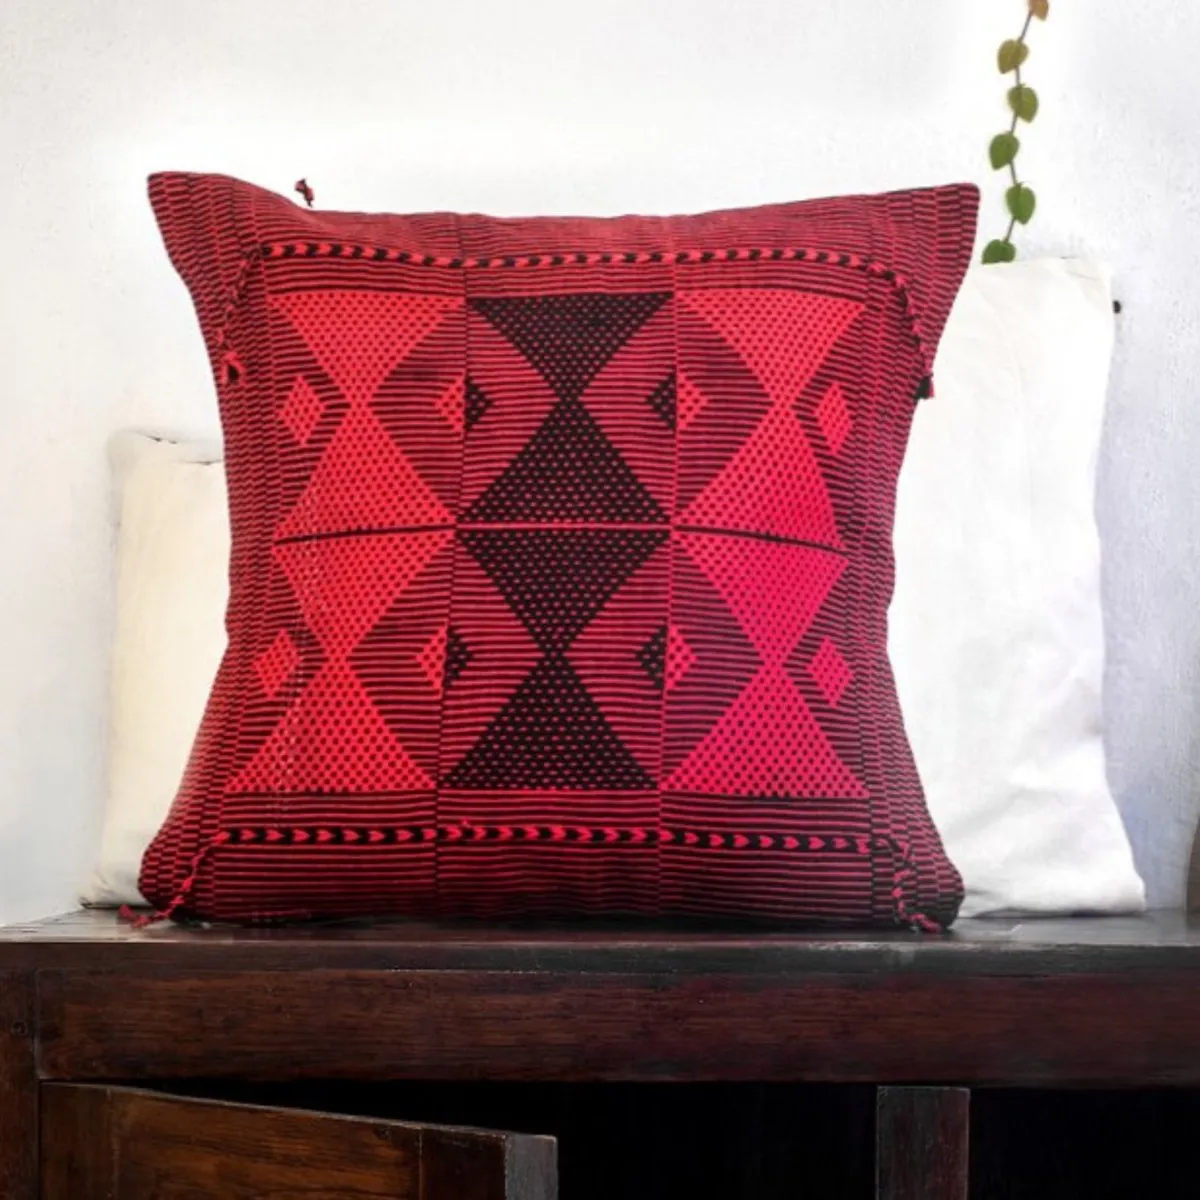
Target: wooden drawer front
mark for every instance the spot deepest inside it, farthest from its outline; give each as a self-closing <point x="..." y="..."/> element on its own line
<point x="108" y="1143"/>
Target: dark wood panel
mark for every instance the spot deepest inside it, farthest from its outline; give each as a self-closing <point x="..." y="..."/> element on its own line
<point x="18" y="1088"/>
<point x="709" y="1141"/>
<point x="787" y="1141"/>
<point x="464" y="1164"/>
<point x="105" y="1143"/>
<point x="77" y="1144"/>
<point x="1121" y="1030"/>
<point x="922" y="1141"/>
<point x="97" y="940"/>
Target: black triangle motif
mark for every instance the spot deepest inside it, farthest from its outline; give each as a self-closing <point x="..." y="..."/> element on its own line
<point x="475" y="403"/>
<point x="653" y="656"/>
<point x="568" y="470"/>
<point x="662" y="400"/>
<point x="557" y="580"/>
<point x="550" y="734"/>
<point x="569" y="338"/>
<point x="458" y="657"/>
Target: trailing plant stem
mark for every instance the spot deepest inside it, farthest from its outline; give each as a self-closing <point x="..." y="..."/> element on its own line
<point x="1012" y="125"/>
<point x="1020" y="200"/>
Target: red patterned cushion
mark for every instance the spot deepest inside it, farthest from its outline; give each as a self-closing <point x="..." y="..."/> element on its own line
<point x="561" y="560"/>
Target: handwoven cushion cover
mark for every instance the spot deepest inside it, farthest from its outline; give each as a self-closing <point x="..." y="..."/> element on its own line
<point x="561" y="558"/>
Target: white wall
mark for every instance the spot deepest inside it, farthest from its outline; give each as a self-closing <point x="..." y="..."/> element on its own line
<point x="547" y="105"/>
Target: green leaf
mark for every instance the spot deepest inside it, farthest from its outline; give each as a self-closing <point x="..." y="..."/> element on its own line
<point x="1021" y="202"/>
<point x="1003" y="149"/>
<point x="1023" y="101"/>
<point x="1040" y="8"/>
<point x="999" y="250"/>
<point x="1011" y="55"/>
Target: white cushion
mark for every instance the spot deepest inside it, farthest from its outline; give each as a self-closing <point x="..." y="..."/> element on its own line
<point x="996" y="635"/>
<point x="171" y="587"/>
<point x="995" y="631"/>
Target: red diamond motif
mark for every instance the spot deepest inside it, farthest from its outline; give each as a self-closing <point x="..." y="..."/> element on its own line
<point x="680" y="658"/>
<point x="302" y="410"/>
<point x="432" y="659"/>
<point x="689" y="400"/>
<point x="276" y="664"/>
<point x="450" y="404"/>
<point x="830" y="672"/>
<point x="833" y="415"/>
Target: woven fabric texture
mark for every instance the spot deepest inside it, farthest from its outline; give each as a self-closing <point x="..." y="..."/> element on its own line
<point x="561" y="558"/>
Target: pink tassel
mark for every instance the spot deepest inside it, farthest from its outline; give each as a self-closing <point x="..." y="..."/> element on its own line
<point x="141" y="920"/>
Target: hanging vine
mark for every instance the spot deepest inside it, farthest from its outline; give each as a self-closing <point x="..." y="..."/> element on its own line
<point x="1019" y="198"/>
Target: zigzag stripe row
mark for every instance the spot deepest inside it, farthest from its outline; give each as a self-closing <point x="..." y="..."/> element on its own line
<point x="578" y="258"/>
<point x="594" y="835"/>
<point x="904" y="871"/>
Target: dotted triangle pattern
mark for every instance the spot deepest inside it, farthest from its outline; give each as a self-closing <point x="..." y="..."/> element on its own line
<point x="569" y="338"/>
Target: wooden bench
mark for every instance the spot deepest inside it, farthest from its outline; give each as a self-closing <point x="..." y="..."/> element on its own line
<point x="174" y="1061"/>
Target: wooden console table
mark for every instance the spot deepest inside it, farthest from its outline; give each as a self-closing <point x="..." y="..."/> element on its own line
<point x="105" y="1031"/>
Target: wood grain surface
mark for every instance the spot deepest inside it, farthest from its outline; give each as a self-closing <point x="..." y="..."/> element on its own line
<point x="922" y="1140"/>
<point x="18" y="1088"/>
<point x="106" y="1143"/>
<point x="565" y="1025"/>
